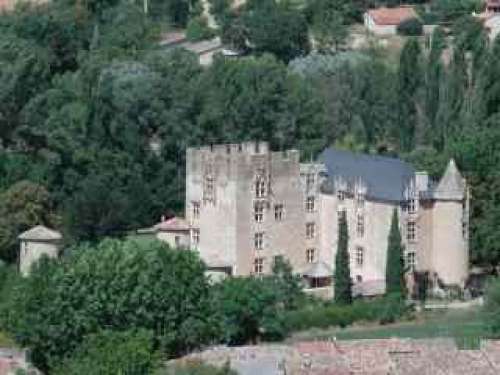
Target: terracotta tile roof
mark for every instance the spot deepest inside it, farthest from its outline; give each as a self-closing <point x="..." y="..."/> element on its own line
<point x="6" y="4"/>
<point x="175" y="224"/>
<point x="361" y="357"/>
<point x="392" y="16"/>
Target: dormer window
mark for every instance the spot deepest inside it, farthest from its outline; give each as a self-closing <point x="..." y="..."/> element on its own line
<point x="360" y="200"/>
<point x="341" y="195"/>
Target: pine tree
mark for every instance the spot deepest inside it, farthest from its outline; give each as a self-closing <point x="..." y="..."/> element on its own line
<point x="394" y="272"/>
<point x="343" y="292"/>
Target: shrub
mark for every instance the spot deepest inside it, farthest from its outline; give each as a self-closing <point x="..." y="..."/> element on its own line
<point x="251" y="308"/>
<point x="384" y="310"/>
<point x="108" y="352"/>
<point x="117" y="285"/>
<point x="411" y="27"/>
<point x="197" y="29"/>
<point x="492" y="305"/>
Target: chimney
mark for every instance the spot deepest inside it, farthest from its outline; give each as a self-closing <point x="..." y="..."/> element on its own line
<point x="162" y="218"/>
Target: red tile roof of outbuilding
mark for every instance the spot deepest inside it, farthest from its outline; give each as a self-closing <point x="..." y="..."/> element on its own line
<point x="392" y="16"/>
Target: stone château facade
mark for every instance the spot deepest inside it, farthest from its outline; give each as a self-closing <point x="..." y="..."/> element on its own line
<point x="247" y="205"/>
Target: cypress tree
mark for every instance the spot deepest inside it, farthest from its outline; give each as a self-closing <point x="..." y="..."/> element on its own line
<point x="410" y="80"/>
<point x="394" y="271"/>
<point x="343" y="292"/>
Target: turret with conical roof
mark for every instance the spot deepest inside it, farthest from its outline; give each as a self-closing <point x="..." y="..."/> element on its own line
<point x="452" y="185"/>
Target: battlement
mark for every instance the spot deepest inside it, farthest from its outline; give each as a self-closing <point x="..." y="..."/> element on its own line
<point x="248" y="148"/>
<point x="244" y="153"/>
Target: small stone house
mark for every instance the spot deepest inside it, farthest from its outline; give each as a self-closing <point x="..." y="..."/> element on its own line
<point x="385" y="21"/>
<point x="36" y="242"/>
<point x="176" y="232"/>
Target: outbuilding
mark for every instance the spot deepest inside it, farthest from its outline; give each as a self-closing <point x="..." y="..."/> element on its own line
<point x="36" y="242"/>
<point x="385" y="21"/>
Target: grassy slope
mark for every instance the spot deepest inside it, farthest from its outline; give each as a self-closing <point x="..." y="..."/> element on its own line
<point x="466" y="326"/>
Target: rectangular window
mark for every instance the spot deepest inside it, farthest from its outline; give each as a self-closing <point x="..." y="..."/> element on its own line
<point x="359" y="256"/>
<point x="209" y="189"/>
<point x="259" y="240"/>
<point x="309" y="181"/>
<point x="310" y="255"/>
<point x="464" y="228"/>
<point x="310" y="204"/>
<point x="278" y="212"/>
<point x="260" y="187"/>
<point x="411" y="231"/>
<point x="310" y="230"/>
<point x="177" y="241"/>
<point x="196" y="209"/>
<point x="360" y="225"/>
<point x="196" y="236"/>
<point x="258" y="266"/>
<point x="259" y="211"/>
<point x="411" y="261"/>
<point x="412" y="206"/>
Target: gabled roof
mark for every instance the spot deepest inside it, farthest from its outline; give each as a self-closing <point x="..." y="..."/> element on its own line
<point x="175" y="224"/>
<point x="392" y="16"/>
<point x="452" y="184"/>
<point x="40" y="233"/>
<point x="385" y="178"/>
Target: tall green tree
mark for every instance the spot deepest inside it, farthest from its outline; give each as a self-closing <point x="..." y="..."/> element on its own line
<point x="410" y="78"/>
<point x="116" y="285"/>
<point x="278" y="28"/>
<point x="329" y="25"/>
<point x="342" y="277"/>
<point x="23" y="205"/>
<point x="394" y="270"/>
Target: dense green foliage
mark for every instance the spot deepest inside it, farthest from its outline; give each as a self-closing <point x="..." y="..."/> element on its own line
<point x="108" y="352"/>
<point x="410" y="27"/>
<point x="197" y="29"/>
<point x="382" y="310"/>
<point x="22" y="206"/>
<point x="253" y="308"/>
<point x="99" y="118"/>
<point x="492" y="305"/>
<point x="117" y="286"/>
<point x="395" y="268"/>
<point x="342" y="277"/>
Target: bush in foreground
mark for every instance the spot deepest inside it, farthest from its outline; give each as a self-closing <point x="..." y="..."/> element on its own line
<point x="116" y="285"/>
<point x="492" y="305"/>
<point x="108" y="352"/>
<point x="383" y="310"/>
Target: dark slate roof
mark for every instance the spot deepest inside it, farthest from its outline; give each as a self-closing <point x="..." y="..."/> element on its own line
<point x="384" y="177"/>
